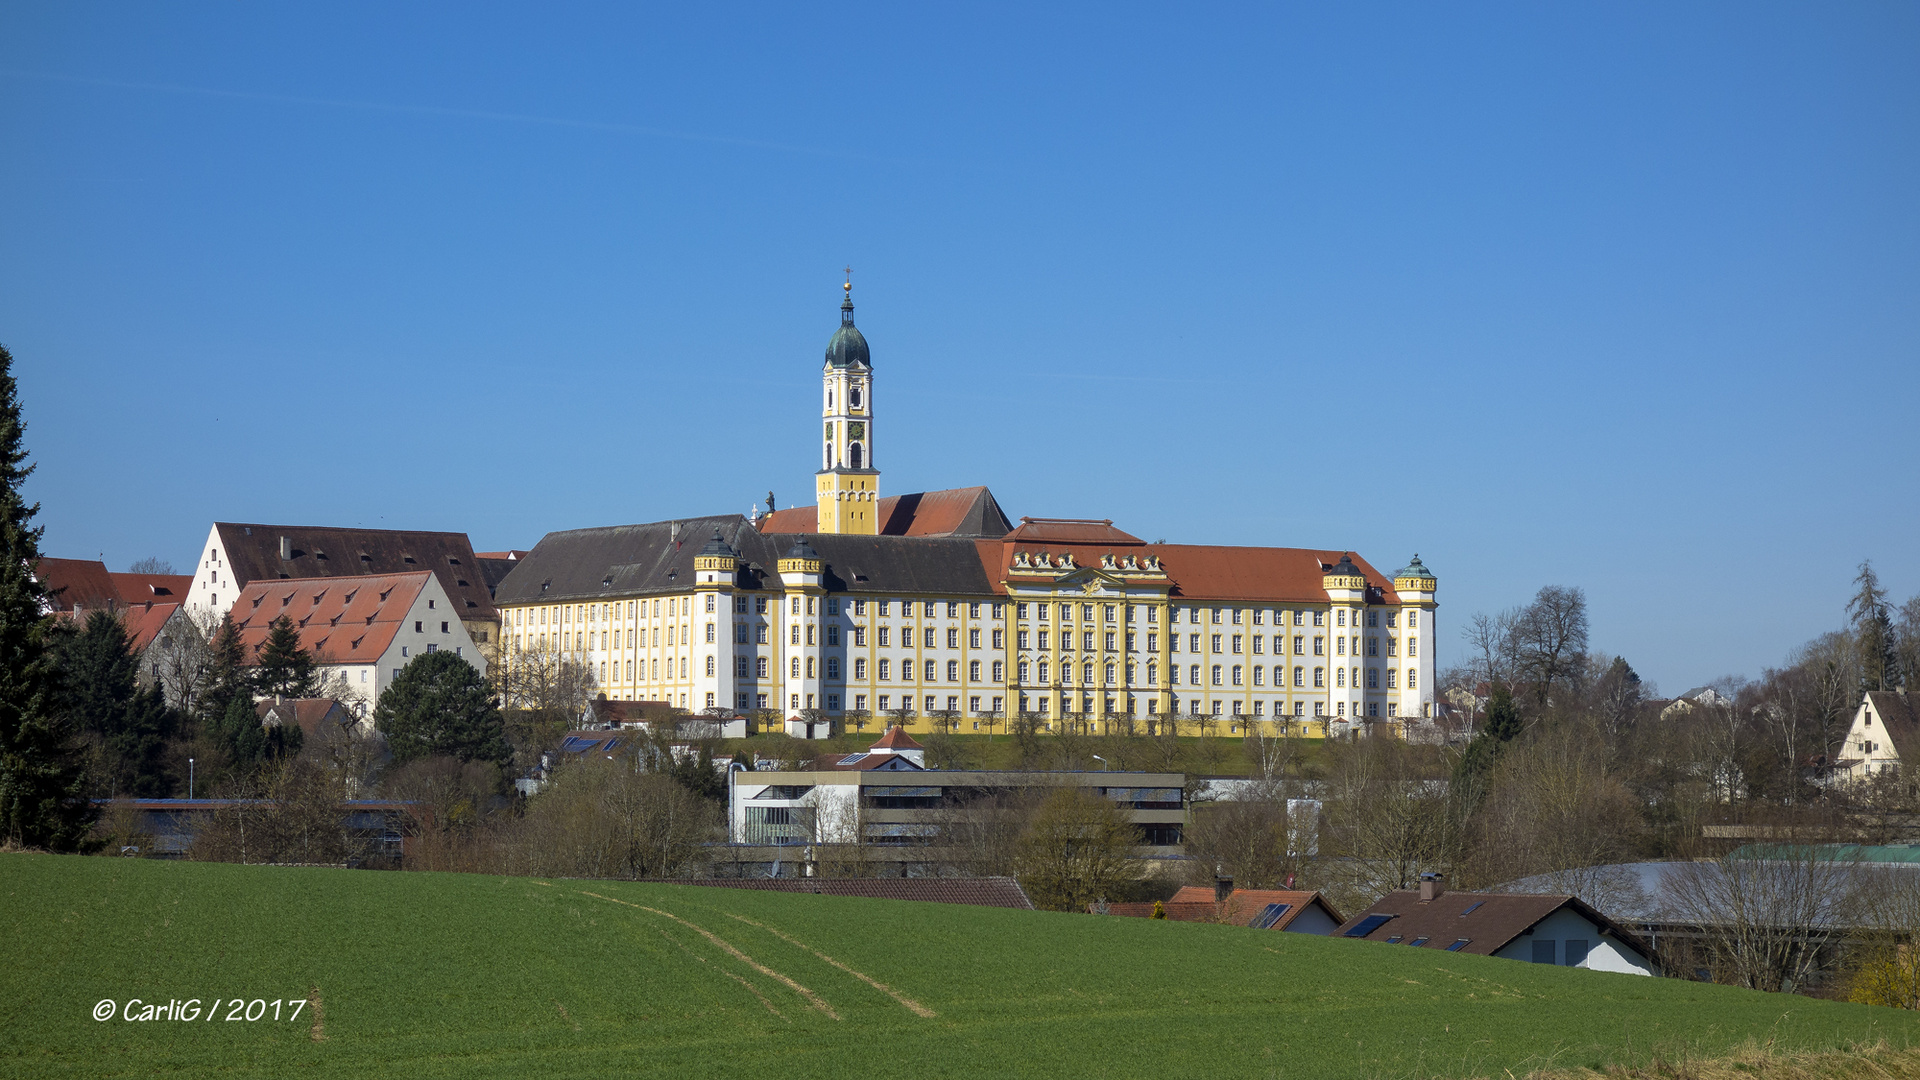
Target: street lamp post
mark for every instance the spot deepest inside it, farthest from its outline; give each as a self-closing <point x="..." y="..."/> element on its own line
<point x="189" y="778"/>
<point x="1102" y="761"/>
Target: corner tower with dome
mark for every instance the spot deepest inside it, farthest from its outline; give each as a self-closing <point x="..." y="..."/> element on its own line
<point x="847" y="487"/>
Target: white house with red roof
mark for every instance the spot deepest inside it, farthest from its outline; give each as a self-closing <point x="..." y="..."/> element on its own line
<point x="361" y="629"/>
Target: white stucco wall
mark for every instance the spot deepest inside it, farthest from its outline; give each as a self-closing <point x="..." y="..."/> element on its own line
<point x="1604" y="953"/>
<point x="1312" y="921"/>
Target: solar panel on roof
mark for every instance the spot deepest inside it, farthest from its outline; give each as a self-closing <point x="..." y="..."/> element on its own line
<point x="1270" y="915"/>
<point x="1367" y="925"/>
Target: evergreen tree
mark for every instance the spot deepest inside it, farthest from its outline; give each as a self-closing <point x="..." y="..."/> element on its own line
<point x="1873" y="631"/>
<point x="284" y="669"/>
<point x="43" y="778"/>
<point x="437" y="706"/>
<point x="131" y="724"/>
<point x="248" y="744"/>
<point x="1476" y="764"/>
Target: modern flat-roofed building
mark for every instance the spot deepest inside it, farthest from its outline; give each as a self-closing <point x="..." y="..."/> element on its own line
<point x="885" y="796"/>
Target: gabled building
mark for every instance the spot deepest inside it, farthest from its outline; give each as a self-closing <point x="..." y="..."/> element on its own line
<point x="1885" y="733"/>
<point x="237" y="555"/>
<point x="363" y="629"/>
<point x="1561" y="930"/>
<point x="936" y="603"/>
<point x="144" y="602"/>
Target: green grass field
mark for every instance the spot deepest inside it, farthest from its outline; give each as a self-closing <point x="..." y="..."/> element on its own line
<point x="429" y="975"/>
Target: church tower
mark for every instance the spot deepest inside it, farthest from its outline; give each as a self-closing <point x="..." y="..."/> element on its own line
<point x="848" y="485"/>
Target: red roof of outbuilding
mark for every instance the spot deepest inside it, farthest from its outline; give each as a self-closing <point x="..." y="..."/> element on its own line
<point x="151" y="588"/>
<point x="896" y="738"/>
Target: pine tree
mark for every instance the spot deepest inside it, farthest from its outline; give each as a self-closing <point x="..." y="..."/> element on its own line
<point x="439" y="706"/>
<point x="1873" y="632"/>
<point x="104" y="700"/>
<point x="285" y="669"/>
<point x="43" y="778"/>
<point x="1476" y="764"/>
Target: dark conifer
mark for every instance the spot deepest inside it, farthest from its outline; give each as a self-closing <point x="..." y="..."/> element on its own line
<point x="104" y="701"/>
<point x="284" y="669"/>
<point x="43" y="781"/>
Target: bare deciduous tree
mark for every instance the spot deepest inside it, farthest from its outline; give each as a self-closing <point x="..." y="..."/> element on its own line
<point x="1079" y="848"/>
<point x="1768" y="920"/>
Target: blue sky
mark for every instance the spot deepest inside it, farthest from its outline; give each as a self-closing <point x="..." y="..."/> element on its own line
<point x="1619" y="296"/>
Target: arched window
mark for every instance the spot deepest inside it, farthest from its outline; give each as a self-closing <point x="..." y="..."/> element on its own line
<point x="1110" y="671"/>
<point x="853" y="455"/>
<point x="853" y="397"/>
<point x="1086" y="676"/>
<point x="795" y="668"/>
<point x="1216" y="674"/>
<point x="1319" y="677"/>
<point x="827" y="456"/>
<point x="709" y="667"/>
<point x="809" y="667"/>
<point x="1339" y="676"/>
<point x="760" y="668"/>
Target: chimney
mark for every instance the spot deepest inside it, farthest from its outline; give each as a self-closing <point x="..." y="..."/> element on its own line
<point x="1222" y="887"/>
<point x="286" y="547"/>
<point x="1431" y="886"/>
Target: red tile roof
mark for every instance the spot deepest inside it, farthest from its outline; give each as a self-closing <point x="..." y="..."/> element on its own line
<point x="895" y="739"/>
<point x="77" y="582"/>
<point x="309" y="713"/>
<point x="1070" y="531"/>
<point x="342" y="620"/>
<point x="152" y="588"/>
<point x="1207" y="572"/>
<point x="143" y="622"/>
<point x="1195" y="903"/>
<point x="969" y="511"/>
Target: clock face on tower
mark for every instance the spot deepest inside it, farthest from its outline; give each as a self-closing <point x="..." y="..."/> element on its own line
<point x="856" y="430"/>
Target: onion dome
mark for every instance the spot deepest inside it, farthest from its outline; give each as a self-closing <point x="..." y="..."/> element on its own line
<point x="1414" y="569"/>
<point x="1414" y="578"/>
<point x="801" y="550"/>
<point x="848" y="347"/>
<point x="719" y="547"/>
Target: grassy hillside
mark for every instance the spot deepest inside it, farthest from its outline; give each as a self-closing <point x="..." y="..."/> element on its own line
<point x="428" y="975"/>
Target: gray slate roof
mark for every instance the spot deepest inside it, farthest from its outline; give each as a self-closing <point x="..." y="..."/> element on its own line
<point x="642" y="560"/>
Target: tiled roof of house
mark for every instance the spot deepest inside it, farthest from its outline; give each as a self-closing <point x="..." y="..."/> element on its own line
<point x="1002" y="892"/>
<point x="1486" y="922"/>
<point x="151" y="588"/>
<point x="77" y="582"/>
<point x="970" y="511"/>
<point x="862" y="762"/>
<point x="608" y="711"/>
<point x="1244" y="907"/>
<point x="896" y="738"/>
<point x="144" y="621"/>
<point x="309" y="713"/>
<point x="1898" y="717"/>
<point x="342" y="620"/>
<point x="253" y="554"/>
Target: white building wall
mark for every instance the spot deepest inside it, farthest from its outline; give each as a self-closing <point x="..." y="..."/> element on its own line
<point x="1605" y="953"/>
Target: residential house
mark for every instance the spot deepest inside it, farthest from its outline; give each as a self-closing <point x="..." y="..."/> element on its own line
<point x="1883" y="727"/>
<point x="144" y="602"/>
<point x="1561" y="930"/>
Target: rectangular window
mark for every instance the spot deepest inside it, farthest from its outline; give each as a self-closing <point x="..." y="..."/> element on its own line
<point x="999" y="639"/>
<point x="1193" y="642"/>
<point x="1576" y="952"/>
<point x="859" y="667"/>
<point x="953" y="611"/>
<point x="1543" y="951"/>
<point x="1236" y="675"/>
<point x="1413" y="645"/>
<point x="886" y="670"/>
<point x="1393" y="678"/>
<point x="860" y="608"/>
<point x="1373" y="678"/>
<point x="930" y="638"/>
<point x="932" y="672"/>
<point x="1319" y="646"/>
<point x="833" y="667"/>
<point x="884" y="605"/>
<point x="1019" y="611"/>
<point x="833" y="634"/>
<point x="1236" y="616"/>
<point x="1259" y="641"/>
<point x="833" y="605"/>
<point x="1043" y="640"/>
<point x="886" y="636"/>
<point x="973" y="639"/>
<point x="1236" y="643"/>
<point x="999" y="674"/>
<point x="1413" y="618"/>
<point x="886" y="701"/>
<point x="973" y="671"/>
<point x="1153" y="642"/>
<point x="1373" y="646"/>
<point x="953" y="671"/>
<point x="973" y="611"/>
<point x="953" y="639"/>
<point x="1259" y="673"/>
<point x="859" y="637"/>
<point x="760" y="667"/>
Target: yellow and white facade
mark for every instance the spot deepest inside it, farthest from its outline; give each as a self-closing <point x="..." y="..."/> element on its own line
<point x="880" y="612"/>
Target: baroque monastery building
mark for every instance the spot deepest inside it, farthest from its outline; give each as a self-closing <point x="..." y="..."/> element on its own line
<point x="935" y="602"/>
